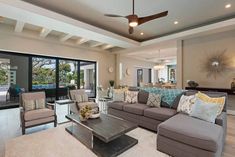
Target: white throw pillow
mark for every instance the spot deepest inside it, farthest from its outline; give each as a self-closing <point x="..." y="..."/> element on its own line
<point x="154" y="100"/>
<point x="132" y="97"/>
<point x="78" y="98"/>
<point x="118" y="95"/>
<point x="85" y="98"/>
<point x="205" y="111"/>
<point x="186" y="103"/>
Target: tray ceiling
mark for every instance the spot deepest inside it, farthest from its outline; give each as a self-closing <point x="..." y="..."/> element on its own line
<point x="189" y="14"/>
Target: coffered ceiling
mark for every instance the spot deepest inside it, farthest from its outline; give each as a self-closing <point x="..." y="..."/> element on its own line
<point x="188" y="13"/>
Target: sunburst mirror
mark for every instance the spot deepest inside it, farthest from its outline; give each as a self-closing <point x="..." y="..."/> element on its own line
<point x="217" y="64"/>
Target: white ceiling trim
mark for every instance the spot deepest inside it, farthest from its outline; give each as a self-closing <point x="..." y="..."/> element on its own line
<point x="44" y="32"/>
<point x="28" y="13"/>
<point x="19" y="26"/>
<point x="229" y="24"/>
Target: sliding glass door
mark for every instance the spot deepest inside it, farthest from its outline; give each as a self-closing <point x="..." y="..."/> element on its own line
<point x="56" y="76"/>
<point x="88" y="77"/>
<point x="68" y="74"/>
<point x="43" y="73"/>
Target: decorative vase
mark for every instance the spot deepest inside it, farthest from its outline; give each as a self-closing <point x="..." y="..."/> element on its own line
<point x="110" y="92"/>
<point x="233" y="84"/>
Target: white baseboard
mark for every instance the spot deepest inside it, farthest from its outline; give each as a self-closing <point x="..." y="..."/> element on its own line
<point x="231" y="112"/>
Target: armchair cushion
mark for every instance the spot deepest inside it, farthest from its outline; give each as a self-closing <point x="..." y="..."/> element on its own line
<point x="38" y="114"/>
<point x="85" y="98"/>
<point x="28" y="105"/>
<point x="40" y="103"/>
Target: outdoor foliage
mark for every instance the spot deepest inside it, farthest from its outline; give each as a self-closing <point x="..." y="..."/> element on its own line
<point x="4" y="74"/>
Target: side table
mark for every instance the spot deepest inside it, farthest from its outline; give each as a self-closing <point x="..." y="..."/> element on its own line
<point x="67" y="102"/>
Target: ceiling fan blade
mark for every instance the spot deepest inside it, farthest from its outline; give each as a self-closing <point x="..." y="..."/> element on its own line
<point x="131" y="30"/>
<point x="112" y="15"/>
<point x="142" y="20"/>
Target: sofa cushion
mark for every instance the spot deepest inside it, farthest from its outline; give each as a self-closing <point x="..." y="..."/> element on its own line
<point x="135" y="108"/>
<point x="161" y="114"/>
<point x="117" y="105"/>
<point x="193" y="132"/>
<point x="143" y="97"/>
<point x="38" y="114"/>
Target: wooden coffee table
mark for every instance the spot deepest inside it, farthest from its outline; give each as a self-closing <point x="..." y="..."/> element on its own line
<point x="105" y="136"/>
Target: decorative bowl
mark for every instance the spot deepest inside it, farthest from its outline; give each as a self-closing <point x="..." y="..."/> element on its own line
<point x="94" y="116"/>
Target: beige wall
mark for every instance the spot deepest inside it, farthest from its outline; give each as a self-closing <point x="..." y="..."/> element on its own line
<point x="132" y="65"/>
<point x="43" y="47"/>
<point x="196" y="50"/>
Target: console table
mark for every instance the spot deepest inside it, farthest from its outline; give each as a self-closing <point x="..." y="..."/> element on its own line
<point x="224" y="90"/>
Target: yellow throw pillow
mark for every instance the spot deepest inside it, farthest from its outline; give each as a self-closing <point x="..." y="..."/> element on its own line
<point x="217" y="100"/>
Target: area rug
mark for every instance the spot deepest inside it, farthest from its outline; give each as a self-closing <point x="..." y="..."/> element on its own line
<point x="56" y="142"/>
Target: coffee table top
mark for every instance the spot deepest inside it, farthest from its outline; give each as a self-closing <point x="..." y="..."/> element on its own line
<point x="106" y="128"/>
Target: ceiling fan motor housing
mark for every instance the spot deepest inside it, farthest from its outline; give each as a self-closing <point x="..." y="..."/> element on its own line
<point x="133" y="20"/>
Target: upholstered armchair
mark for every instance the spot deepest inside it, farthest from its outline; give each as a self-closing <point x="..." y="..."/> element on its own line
<point x="35" y="111"/>
<point x="81" y="99"/>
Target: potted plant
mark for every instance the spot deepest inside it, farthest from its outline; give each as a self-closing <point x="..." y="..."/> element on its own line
<point x="85" y="113"/>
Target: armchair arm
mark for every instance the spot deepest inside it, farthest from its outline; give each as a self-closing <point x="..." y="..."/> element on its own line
<point x="50" y="106"/>
<point x="91" y="99"/>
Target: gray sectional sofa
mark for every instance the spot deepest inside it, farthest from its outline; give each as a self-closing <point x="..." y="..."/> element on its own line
<point x="178" y="134"/>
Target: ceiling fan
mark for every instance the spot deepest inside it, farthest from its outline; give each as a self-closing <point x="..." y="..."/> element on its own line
<point x="134" y="20"/>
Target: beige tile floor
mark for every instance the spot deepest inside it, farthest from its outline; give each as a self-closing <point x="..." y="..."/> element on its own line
<point x="10" y="128"/>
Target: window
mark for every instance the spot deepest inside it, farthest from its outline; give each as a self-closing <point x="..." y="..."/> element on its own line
<point x="88" y="77"/>
<point x="43" y="73"/>
<point x="68" y="73"/>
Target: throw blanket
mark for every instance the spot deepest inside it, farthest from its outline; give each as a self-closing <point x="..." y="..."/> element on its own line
<point x="168" y="95"/>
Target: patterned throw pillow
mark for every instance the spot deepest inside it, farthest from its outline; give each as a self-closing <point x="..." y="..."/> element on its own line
<point x="78" y="98"/>
<point x="29" y="105"/>
<point x="154" y="100"/>
<point x="131" y="97"/>
<point x="168" y="95"/>
<point x="186" y="103"/>
<point x="118" y="95"/>
<point x="219" y="100"/>
<point x="40" y="103"/>
<point x="205" y="111"/>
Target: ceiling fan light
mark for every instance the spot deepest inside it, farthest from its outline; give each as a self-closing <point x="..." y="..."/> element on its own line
<point x="133" y="24"/>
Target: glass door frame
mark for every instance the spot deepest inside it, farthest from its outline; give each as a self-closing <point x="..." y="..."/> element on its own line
<point x="57" y="71"/>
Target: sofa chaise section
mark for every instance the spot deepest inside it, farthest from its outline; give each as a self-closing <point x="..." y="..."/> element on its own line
<point x="186" y="136"/>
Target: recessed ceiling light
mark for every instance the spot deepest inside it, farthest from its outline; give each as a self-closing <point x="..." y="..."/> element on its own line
<point x="176" y="22"/>
<point x="227" y="6"/>
<point x="141" y="33"/>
